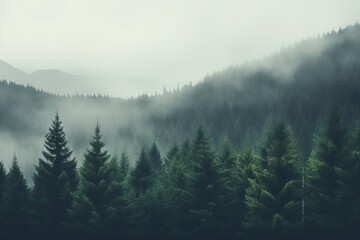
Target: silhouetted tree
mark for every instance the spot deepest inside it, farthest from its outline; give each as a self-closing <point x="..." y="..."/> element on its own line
<point x="55" y="178"/>
<point x="205" y="184"/>
<point x="16" y="202"/>
<point x="155" y="158"/>
<point x="124" y="166"/>
<point x="98" y="200"/>
<point x="141" y="176"/>
<point x="2" y="193"/>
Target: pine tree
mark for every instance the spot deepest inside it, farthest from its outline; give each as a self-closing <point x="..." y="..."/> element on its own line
<point x="175" y="178"/>
<point x="155" y="158"/>
<point x="3" y="183"/>
<point x="16" y="202"/>
<point x="322" y="179"/>
<point x="205" y="184"/>
<point x="274" y="196"/>
<point x="124" y="166"/>
<point x="174" y="153"/>
<point x="98" y="200"/>
<point x="55" y="178"/>
<point x="233" y="188"/>
<point x="349" y="189"/>
<point x="141" y="176"/>
<point x="186" y="152"/>
<point x="143" y="190"/>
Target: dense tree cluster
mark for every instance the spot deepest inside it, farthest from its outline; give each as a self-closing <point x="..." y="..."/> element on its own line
<point x="195" y="191"/>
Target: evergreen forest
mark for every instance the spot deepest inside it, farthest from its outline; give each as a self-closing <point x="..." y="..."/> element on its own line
<point x="197" y="190"/>
<point x="267" y="150"/>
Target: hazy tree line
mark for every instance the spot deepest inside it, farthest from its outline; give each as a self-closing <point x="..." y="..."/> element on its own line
<point x="195" y="191"/>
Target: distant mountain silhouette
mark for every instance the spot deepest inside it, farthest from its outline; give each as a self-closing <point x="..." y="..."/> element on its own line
<point x="50" y="80"/>
<point x="9" y="72"/>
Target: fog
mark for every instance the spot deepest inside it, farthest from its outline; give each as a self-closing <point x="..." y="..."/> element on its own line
<point x="126" y="48"/>
<point x="133" y="47"/>
<point x="128" y="125"/>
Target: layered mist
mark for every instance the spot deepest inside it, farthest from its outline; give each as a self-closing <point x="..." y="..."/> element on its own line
<point x="297" y="85"/>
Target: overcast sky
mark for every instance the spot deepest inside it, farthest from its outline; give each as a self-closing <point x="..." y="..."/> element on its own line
<point x="148" y="44"/>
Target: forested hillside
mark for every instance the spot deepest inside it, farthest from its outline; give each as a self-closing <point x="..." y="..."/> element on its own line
<point x="197" y="190"/>
<point x="295" y="85"/>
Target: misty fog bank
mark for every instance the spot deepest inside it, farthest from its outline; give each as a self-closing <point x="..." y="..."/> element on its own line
<point x="296" y="85"/>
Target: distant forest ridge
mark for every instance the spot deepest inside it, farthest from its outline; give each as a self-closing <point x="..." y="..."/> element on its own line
<point x="295" y="85"/>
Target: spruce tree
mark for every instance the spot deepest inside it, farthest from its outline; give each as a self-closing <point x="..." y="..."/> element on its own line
<point x="349" y="189"/>
<point x="142" y="190"/>
<point x="174" y="153"/>
<point x="155" y="158"/>
<point x="98" y="200"/>
<point x="274" y="196"/>
<point x="55" y="178"/>
<point x="141" y="176"/>
<point x="205" y="184"/>
<point x="3" y="183"/>
<point x="175" y="179"/>
<point x="124" y="166"/>
<point x="232" y="187"/>
<point x="16" y="202"/>
<point x="186" y="152"/>
<point x="322" y="178"/>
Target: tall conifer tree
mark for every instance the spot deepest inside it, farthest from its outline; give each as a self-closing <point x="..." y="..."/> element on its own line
<point x="274" y="196"/>
<point x="16" y="202"/>
<point x="349" y="192"/>
<point x="2" y="193"/>
<point x="55" y="178"/>
<point x="322" y="178"/>
<point x="141" y="176"/>
<point x="155" y="158"/>
<point x="205" y="184"/>
<point x="98" y="200"/>
<point x="124" y="166"/>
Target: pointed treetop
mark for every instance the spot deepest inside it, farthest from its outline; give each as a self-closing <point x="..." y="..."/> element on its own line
<point x="334" y="129"/>
<point x="155" y="158"/>
<point x="14" y="163"/>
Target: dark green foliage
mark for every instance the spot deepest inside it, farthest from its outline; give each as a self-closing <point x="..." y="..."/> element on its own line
<point x="349" y="192"/>
<point x="98" y="201"/>
<point x="124" y="166"/>
<point x="204" y="185"/>
<point x="274" y="196"/>
<point x="234" y="183"/>
<point x="15" y="203"/>
<point x="141" y="176"/>
<point x="173" y="154"/>
<point x="186" y="152"/>
<point x="175" y="178"/>
<point x="198" y="193"/>
<point x="2" y="182"/>
<point x="155" y="158"/>
<point x="55" y="178"/>
<point x="2" y="193"/>
<point x="322" y="177"/>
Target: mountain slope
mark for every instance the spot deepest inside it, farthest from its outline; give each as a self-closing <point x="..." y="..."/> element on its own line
<point x="297" y="85"/>
<point x="50" y="80"/>
<point x="9" y="72"/>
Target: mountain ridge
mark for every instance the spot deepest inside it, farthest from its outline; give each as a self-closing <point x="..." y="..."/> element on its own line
<point x="238" y="103"/>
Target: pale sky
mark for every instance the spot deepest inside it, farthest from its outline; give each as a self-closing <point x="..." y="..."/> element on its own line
<point x="148" y="44"/>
